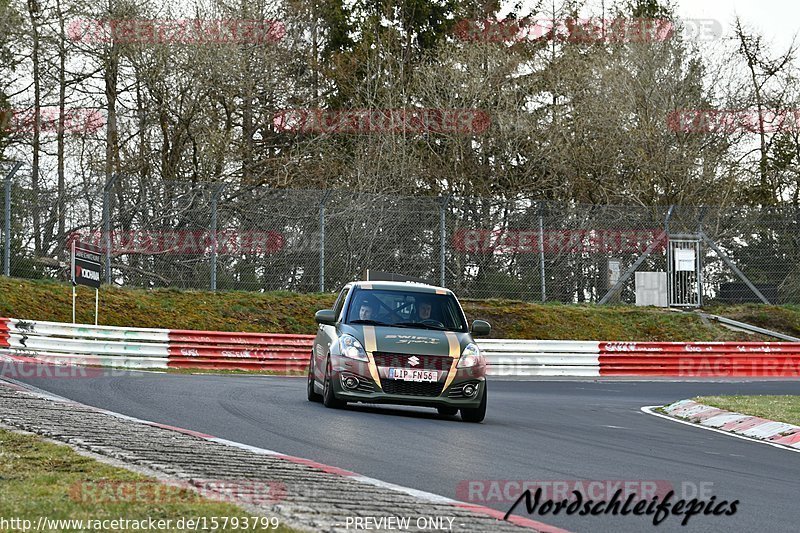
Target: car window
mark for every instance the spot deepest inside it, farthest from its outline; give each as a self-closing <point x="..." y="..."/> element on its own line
<point x="337" y="307"/>
<point x="406" y="309"/>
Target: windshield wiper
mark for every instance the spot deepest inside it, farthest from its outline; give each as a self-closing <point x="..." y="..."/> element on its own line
<point x="369" y="322"/>
<point x="419" y="325"/>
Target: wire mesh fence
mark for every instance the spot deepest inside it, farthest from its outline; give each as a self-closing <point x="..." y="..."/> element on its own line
<point x="201" y="236"/>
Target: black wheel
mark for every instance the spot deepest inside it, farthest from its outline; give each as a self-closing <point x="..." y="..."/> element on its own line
<point x="328" y="397"/>
<point x="477" y="414"/>
<point x="313" y="396"/>
<point x="447" y="411"/>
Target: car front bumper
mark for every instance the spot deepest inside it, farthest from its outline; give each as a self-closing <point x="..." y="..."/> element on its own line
<point x="449" y="397"/>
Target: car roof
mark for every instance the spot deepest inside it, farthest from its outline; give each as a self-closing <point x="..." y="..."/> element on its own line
<point x="408" y="286"/>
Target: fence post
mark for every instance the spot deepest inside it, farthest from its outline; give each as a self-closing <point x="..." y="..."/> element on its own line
<point x="443" y="201"/>
<point x="7" y="220"/>
<point x="322" y="240"/>
<point x="107" y="222"/>
<point x="541" y="252"/>
<point x="214" y="202"/>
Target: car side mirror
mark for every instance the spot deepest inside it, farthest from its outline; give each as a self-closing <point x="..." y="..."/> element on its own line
<point x="481" y="328"/>
<point x="325" y="316"/>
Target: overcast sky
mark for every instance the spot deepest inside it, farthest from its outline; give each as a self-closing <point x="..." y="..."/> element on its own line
<point x="777" y="20"/>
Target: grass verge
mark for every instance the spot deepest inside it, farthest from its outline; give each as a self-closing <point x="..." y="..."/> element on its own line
<point x="284" y="312"/>
<point x="40" y="478"/>
<point x="778" y="408"/>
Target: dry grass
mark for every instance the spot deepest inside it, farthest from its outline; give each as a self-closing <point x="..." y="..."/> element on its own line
<point x="285" y="312"/>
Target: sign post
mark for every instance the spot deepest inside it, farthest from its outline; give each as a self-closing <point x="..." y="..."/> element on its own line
<point x="85" y="267"/>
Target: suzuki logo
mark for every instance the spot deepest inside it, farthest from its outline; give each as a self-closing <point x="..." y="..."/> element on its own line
<point x="413" y="360"/>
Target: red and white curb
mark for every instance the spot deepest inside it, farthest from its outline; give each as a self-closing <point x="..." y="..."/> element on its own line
<point x="426" y="496"/>
<point x="754" y="428"/>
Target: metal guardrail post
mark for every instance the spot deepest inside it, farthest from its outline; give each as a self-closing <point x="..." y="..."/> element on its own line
<point x="541" y="252"/>
<point x="214" y="204"/>
<point x="324" y="199"/>
<point x="443" y="201"/>
<point x="7" y="220"/>
<point x="107" y="222"/>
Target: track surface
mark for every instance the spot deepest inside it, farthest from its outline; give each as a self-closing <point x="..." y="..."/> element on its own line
<point x="535" y="430"/>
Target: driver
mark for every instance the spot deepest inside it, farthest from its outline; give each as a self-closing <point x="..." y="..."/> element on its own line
<point x="424" y="308"/>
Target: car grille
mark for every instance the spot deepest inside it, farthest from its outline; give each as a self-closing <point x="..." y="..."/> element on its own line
<point x="400" y="360"/>
<point x="457" y="391"/>
<point x="411" y="388"/>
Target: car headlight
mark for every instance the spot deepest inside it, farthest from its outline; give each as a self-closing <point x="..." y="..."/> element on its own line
<point x="350" y="347"/>
<point x="471" y="356"/>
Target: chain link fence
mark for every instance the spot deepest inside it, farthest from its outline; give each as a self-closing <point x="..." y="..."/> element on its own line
<point x="201" y="236"/>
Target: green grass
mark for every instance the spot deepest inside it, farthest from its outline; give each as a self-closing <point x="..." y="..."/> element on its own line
<point x="39" y="478"/>
<point x="778" y="408"/>
<point x="782" y="318"/>
<point x="285" y="312"/>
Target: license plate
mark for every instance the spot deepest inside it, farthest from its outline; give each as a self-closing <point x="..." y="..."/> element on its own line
<point x="409" y="374"/>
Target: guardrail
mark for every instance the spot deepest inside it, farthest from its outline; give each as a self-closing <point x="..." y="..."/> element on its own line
<point x="60" y="343"/>
<point x="507" y="357"/>
<point x="700" y="359"/>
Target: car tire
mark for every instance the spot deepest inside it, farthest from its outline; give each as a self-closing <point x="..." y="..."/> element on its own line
<point x="313" y="395"/>
<point x="329" y="399"/>
<point x="477" y="414"/>
<point x="447" y="411"/>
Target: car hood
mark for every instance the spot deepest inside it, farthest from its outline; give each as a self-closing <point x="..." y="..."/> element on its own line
<point x="408" y="340"/>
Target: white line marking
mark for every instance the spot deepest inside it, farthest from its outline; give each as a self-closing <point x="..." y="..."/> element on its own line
<point x="650" y="409"/>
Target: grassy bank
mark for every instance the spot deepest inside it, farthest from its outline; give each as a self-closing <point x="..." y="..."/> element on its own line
<point x="782" y="318"/>
<point x="44" y="479"/>
<point x="778" y="408"/>
<point x="284" y="312"/>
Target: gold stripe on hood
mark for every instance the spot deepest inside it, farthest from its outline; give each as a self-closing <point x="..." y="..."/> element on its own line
<point x="455" y="348"/>
<point x="371" y="345"/>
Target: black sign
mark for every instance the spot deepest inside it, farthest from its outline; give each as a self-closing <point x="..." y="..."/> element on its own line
<point x="86" y="264"/>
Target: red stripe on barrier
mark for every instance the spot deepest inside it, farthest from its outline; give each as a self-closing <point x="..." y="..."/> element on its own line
<point x="237" y="364"/>
<point x="182" y="335"/>
<point x="223" y="350"/>
<point x="212" y="351"/>
<point x="700" y="359"/>
<point x="4" y="332"/>
<point x="609" y="348"/>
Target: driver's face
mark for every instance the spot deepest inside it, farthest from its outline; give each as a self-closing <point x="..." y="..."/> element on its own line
<point x="365" y="312"/>
<point x="424" y="311"/>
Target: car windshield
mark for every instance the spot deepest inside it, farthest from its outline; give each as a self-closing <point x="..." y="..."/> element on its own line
<point x="406" y="309"/>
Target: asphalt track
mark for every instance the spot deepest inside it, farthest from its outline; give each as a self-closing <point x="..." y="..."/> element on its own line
<point x="535" y="430"/>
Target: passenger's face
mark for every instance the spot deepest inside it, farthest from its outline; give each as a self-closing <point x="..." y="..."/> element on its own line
<point x="365" y="312"/>
<point x="424" y="311"/>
